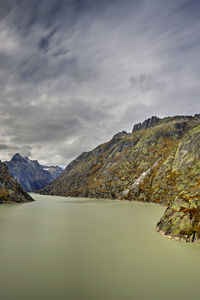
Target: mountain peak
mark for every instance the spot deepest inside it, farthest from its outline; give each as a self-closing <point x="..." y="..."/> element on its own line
<point x="17" y="157"/>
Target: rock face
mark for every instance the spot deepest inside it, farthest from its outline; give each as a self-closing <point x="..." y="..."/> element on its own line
<point x="181" y="219"/>
<point x="146" y="124"/>
<point x="55" y="171"/>
<point x="10" y="190"/>
<point x="158" y="162"/>
<point x="30" y="174"/>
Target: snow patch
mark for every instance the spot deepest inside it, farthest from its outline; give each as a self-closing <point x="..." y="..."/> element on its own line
<point x="125" y="192"/>
<point x="144" y="174"/>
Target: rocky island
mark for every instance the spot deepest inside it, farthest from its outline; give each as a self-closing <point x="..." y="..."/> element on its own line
<point x="158" y="162"/>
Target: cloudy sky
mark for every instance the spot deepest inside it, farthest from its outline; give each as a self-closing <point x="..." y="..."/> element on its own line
<point x="75" y="72"/>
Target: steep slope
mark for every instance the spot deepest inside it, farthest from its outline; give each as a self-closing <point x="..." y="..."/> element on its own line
<point x="30" y="174"/>
<point x="130" y="166"/>
<point x="10" y="190"/>
<point x="181" y="219"/>
<point x="158" y="162"/>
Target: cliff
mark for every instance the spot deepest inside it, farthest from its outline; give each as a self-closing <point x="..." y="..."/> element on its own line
<point x="181" y="219"/>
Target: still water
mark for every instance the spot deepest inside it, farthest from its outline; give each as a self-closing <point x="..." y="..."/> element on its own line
<point x="80" y="249"/>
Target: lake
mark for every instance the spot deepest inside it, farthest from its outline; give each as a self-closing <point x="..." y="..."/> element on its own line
<point x="71" y="248"/>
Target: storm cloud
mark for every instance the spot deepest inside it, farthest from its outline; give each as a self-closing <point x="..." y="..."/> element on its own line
<point x="75" y="72"/>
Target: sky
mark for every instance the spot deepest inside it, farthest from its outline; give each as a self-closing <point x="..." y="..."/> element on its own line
<point x="75" y="72"/>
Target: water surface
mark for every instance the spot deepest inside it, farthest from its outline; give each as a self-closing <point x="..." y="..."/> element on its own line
<point x="70" y="248"/>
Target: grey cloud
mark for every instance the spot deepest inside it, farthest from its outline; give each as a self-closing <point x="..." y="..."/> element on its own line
<point x="8" y="147"/>
<point x="146" y="81"/>
<point x="73" y="73"/>
<point x="44" y="41"/>
<point x="60" y="52"/>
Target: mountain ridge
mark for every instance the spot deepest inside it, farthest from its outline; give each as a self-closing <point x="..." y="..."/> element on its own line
<point x="30" y="174"/>
<point x="155" y="163"/>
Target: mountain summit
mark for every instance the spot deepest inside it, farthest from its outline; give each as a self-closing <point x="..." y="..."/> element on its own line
<point x="17" y="158"/>
<point x="158" y="162"/>
<point x="30" y="174"/>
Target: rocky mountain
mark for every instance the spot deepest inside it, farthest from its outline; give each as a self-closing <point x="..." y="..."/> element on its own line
<point x="158" y="162"/>
<point x="10" y="190"/>
<point x="30" y="174"/>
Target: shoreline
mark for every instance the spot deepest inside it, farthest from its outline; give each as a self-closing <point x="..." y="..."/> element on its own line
<point x="183" y="238"/>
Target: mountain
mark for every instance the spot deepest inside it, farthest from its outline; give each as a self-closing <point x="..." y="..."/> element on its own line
<point x="55" y="171"/>
<point x="30" y="174"/>
<point x="10" y="190"/>
<point x="158" y="162"/>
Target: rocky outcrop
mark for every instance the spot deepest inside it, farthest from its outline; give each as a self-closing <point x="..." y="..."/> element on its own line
<point x="119" y="135"/>
<point x="30" y="174"/>
<point x="181" y="220"/>
<point x="146" y="124"/>
<point x="10" y="190"/>
<point x="159" y="164"/>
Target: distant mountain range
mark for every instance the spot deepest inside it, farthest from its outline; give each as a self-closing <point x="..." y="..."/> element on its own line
<point x="30" y="174"/>
<point x="158" y="162"/>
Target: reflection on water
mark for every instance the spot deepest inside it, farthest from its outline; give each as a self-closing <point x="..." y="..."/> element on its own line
<point x="84" y="201"/>
<point x="65" y="248"/>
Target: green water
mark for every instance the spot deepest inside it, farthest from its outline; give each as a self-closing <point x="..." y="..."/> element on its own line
<point x="66" y="248"/>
